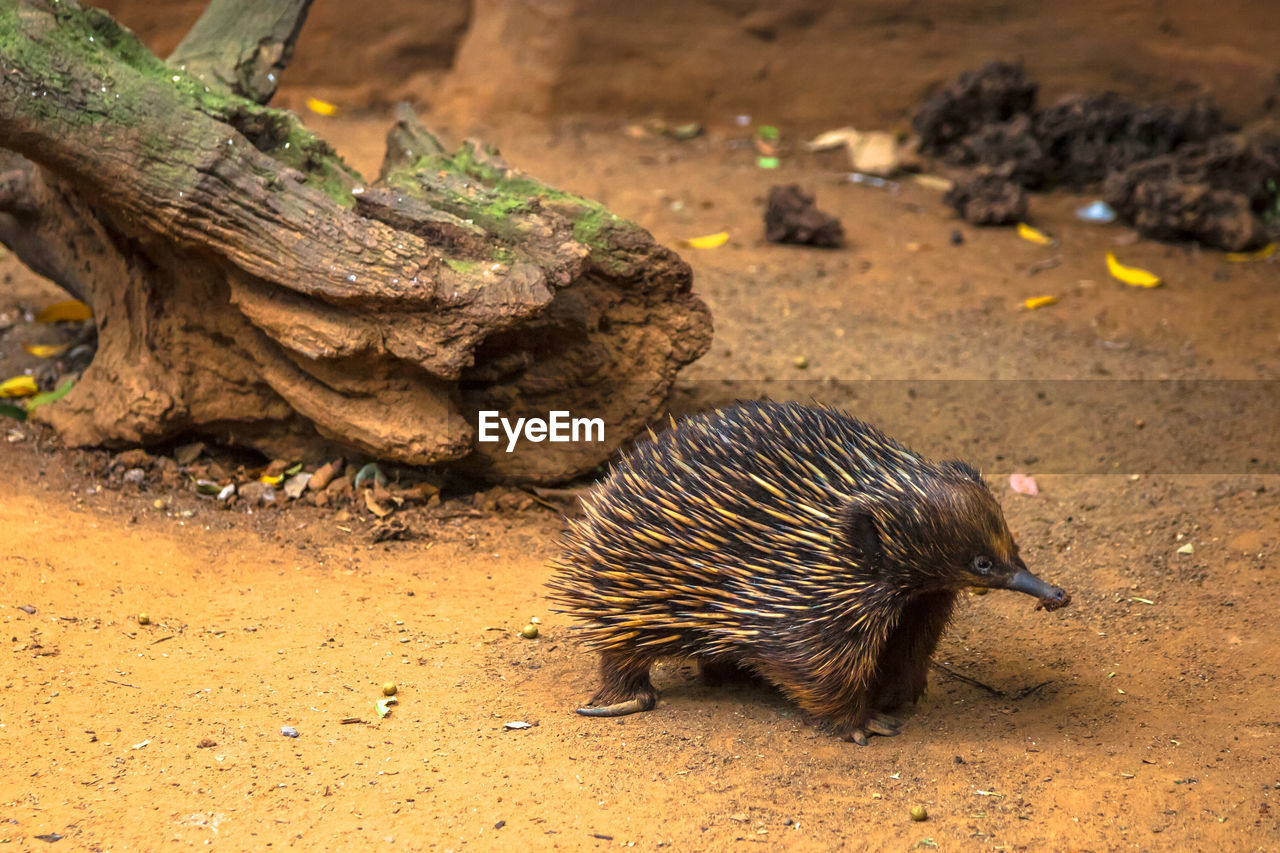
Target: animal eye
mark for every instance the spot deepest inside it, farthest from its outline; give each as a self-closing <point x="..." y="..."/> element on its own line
<point x="982" y="564"/>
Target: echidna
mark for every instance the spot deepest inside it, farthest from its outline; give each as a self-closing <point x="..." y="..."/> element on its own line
<point x="789" y="540"/>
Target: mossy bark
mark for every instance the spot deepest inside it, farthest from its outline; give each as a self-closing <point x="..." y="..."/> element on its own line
<point x="251" y="287"/>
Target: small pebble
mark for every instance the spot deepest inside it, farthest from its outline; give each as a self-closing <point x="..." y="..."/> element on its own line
<point x="957" y="237"/>
<point x="288" y="731"/>
<point x="529" y="632"/>
<point x="144" y="619"/>
<point x="389" y="689"/>
<point x="919" y="813"/>
<point x="158" y="503"/>
<point x="1187" y="549"/>
<point x="800" y="362"/>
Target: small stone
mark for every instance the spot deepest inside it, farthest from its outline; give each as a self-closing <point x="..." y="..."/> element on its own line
<point x="919" y="813"/>
<point x="256" y="493"/>
<point x="135" y="476"/>
<point x="529" y="632"/>
<point x="144" y="619"/>
<point x="1187" y="549"/>
<point x="296" y="485"/>
<point x="288" y="731"/>
<point x="801" y="362"/>
<point x="389" y="689"/>
<point x="159" y="503"/>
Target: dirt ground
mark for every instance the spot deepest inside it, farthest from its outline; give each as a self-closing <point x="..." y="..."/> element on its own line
<point x="1144" y="716"/>
<point x="1154" y="725"/>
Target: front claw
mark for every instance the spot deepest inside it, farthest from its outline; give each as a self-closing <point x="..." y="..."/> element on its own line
<point x="878" y="723"/>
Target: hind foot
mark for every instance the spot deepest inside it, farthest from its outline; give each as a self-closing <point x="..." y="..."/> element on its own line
<point x="625" y="687"/>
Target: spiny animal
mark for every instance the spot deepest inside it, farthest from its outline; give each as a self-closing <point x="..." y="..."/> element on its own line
<point x="791" y="541"/>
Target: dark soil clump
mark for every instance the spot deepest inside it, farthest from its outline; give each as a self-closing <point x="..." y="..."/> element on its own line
<point x="1174" y="172"/>
<point x="1222" y="193"/>
<point x="790" y="216"/>
<point x="988" y="197"/>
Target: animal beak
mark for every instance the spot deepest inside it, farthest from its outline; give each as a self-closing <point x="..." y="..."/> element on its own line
<point x="1051" y="597"/>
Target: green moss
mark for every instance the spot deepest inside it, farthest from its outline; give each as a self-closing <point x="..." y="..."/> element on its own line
<point x="460" y="266"/>
<point x="117" y="81"/>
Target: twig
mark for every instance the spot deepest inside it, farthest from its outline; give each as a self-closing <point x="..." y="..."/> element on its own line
<point x="967" y="680"/>
<point x="122" y="684"/>
<point x="567" y="494"/>
<point x="1027" y="691"/>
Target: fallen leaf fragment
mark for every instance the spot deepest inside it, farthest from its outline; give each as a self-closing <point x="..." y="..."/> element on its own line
<point x="1035" y="235"/>
<point x="1187" y="549"/>
<point x="1132" y="276"/>
<point x="320" y="107"/>
<point x="1258" y="255"/>
<point x="709" y="241"/>
<point x="46" y="350"/>
<point x="19" y="386"/>
<point x="1040" y="302"/>
<point x="49" y="396"/>
<point x="70" y="309"/>
<point x="517" y="724"/>
<point x="1023" y="484"/>
<point x="384" y="705"/>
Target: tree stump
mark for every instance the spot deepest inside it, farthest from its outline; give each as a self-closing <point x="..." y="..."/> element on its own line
<point x="250" y="287"/>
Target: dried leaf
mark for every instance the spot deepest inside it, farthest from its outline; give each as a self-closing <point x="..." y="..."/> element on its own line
<point x="374" y="507"/>
<point x="46" y="350"/>
<point x="19" y="386"/>
<point x="709" y="241"/>
<point x="1040" y="302"/>
<point x="1259" y="255"/>
<point x="1132" y="276"/>
<point x="1035" y="235"/>
<point x="71" y="309"/>
<point x="323" y="108"/>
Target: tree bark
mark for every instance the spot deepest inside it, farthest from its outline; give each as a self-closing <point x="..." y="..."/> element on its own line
<point x="250" y="287"/>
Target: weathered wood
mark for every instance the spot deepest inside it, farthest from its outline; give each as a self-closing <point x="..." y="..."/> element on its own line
<point x="242" y="46"/>
<point x="250" y="286"/>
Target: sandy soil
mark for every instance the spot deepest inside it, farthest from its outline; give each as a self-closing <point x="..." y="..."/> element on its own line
<point x="1154" y="721"/>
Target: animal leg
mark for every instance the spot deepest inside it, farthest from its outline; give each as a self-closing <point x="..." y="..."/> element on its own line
<point x="625" y="687"/>
<point x="903" y="668"/>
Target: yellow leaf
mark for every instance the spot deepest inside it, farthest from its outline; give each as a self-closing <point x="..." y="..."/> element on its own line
<point x="45" y="350"/>
<point x="320" y="107"/>
<point x="1035" y="235"/>
<point x="1259" y="255"/>
<point x="710" y="241"/>
<point x="19" y="386"/>
<point x="1131" y="276"/>
<point x="271" y="480"/>
<point x="1040" y="301"/>
<point x="71" y="309"/>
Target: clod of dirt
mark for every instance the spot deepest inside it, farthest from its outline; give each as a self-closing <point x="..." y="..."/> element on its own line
<point x="790" y="216"/>
<point x="994" y="93"/>
<point x="988" y="197"/>
<point x="1172" y="171"/>
<point x="1222" y="193"/>
<point x="1086" y="138"/>
<point x="1011" y="145"/>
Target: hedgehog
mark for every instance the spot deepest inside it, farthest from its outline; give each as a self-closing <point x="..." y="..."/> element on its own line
<point x="790" y="541"/>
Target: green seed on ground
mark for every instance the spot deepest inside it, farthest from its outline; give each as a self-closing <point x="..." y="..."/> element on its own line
<point x="144" y="619"/>
<point x="529" y="632"/>
<point x="919" y="813"/>
<point x="389" y="689"/>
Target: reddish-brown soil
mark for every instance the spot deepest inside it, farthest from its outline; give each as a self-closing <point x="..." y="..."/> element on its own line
<point x="1156" y="726"/>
